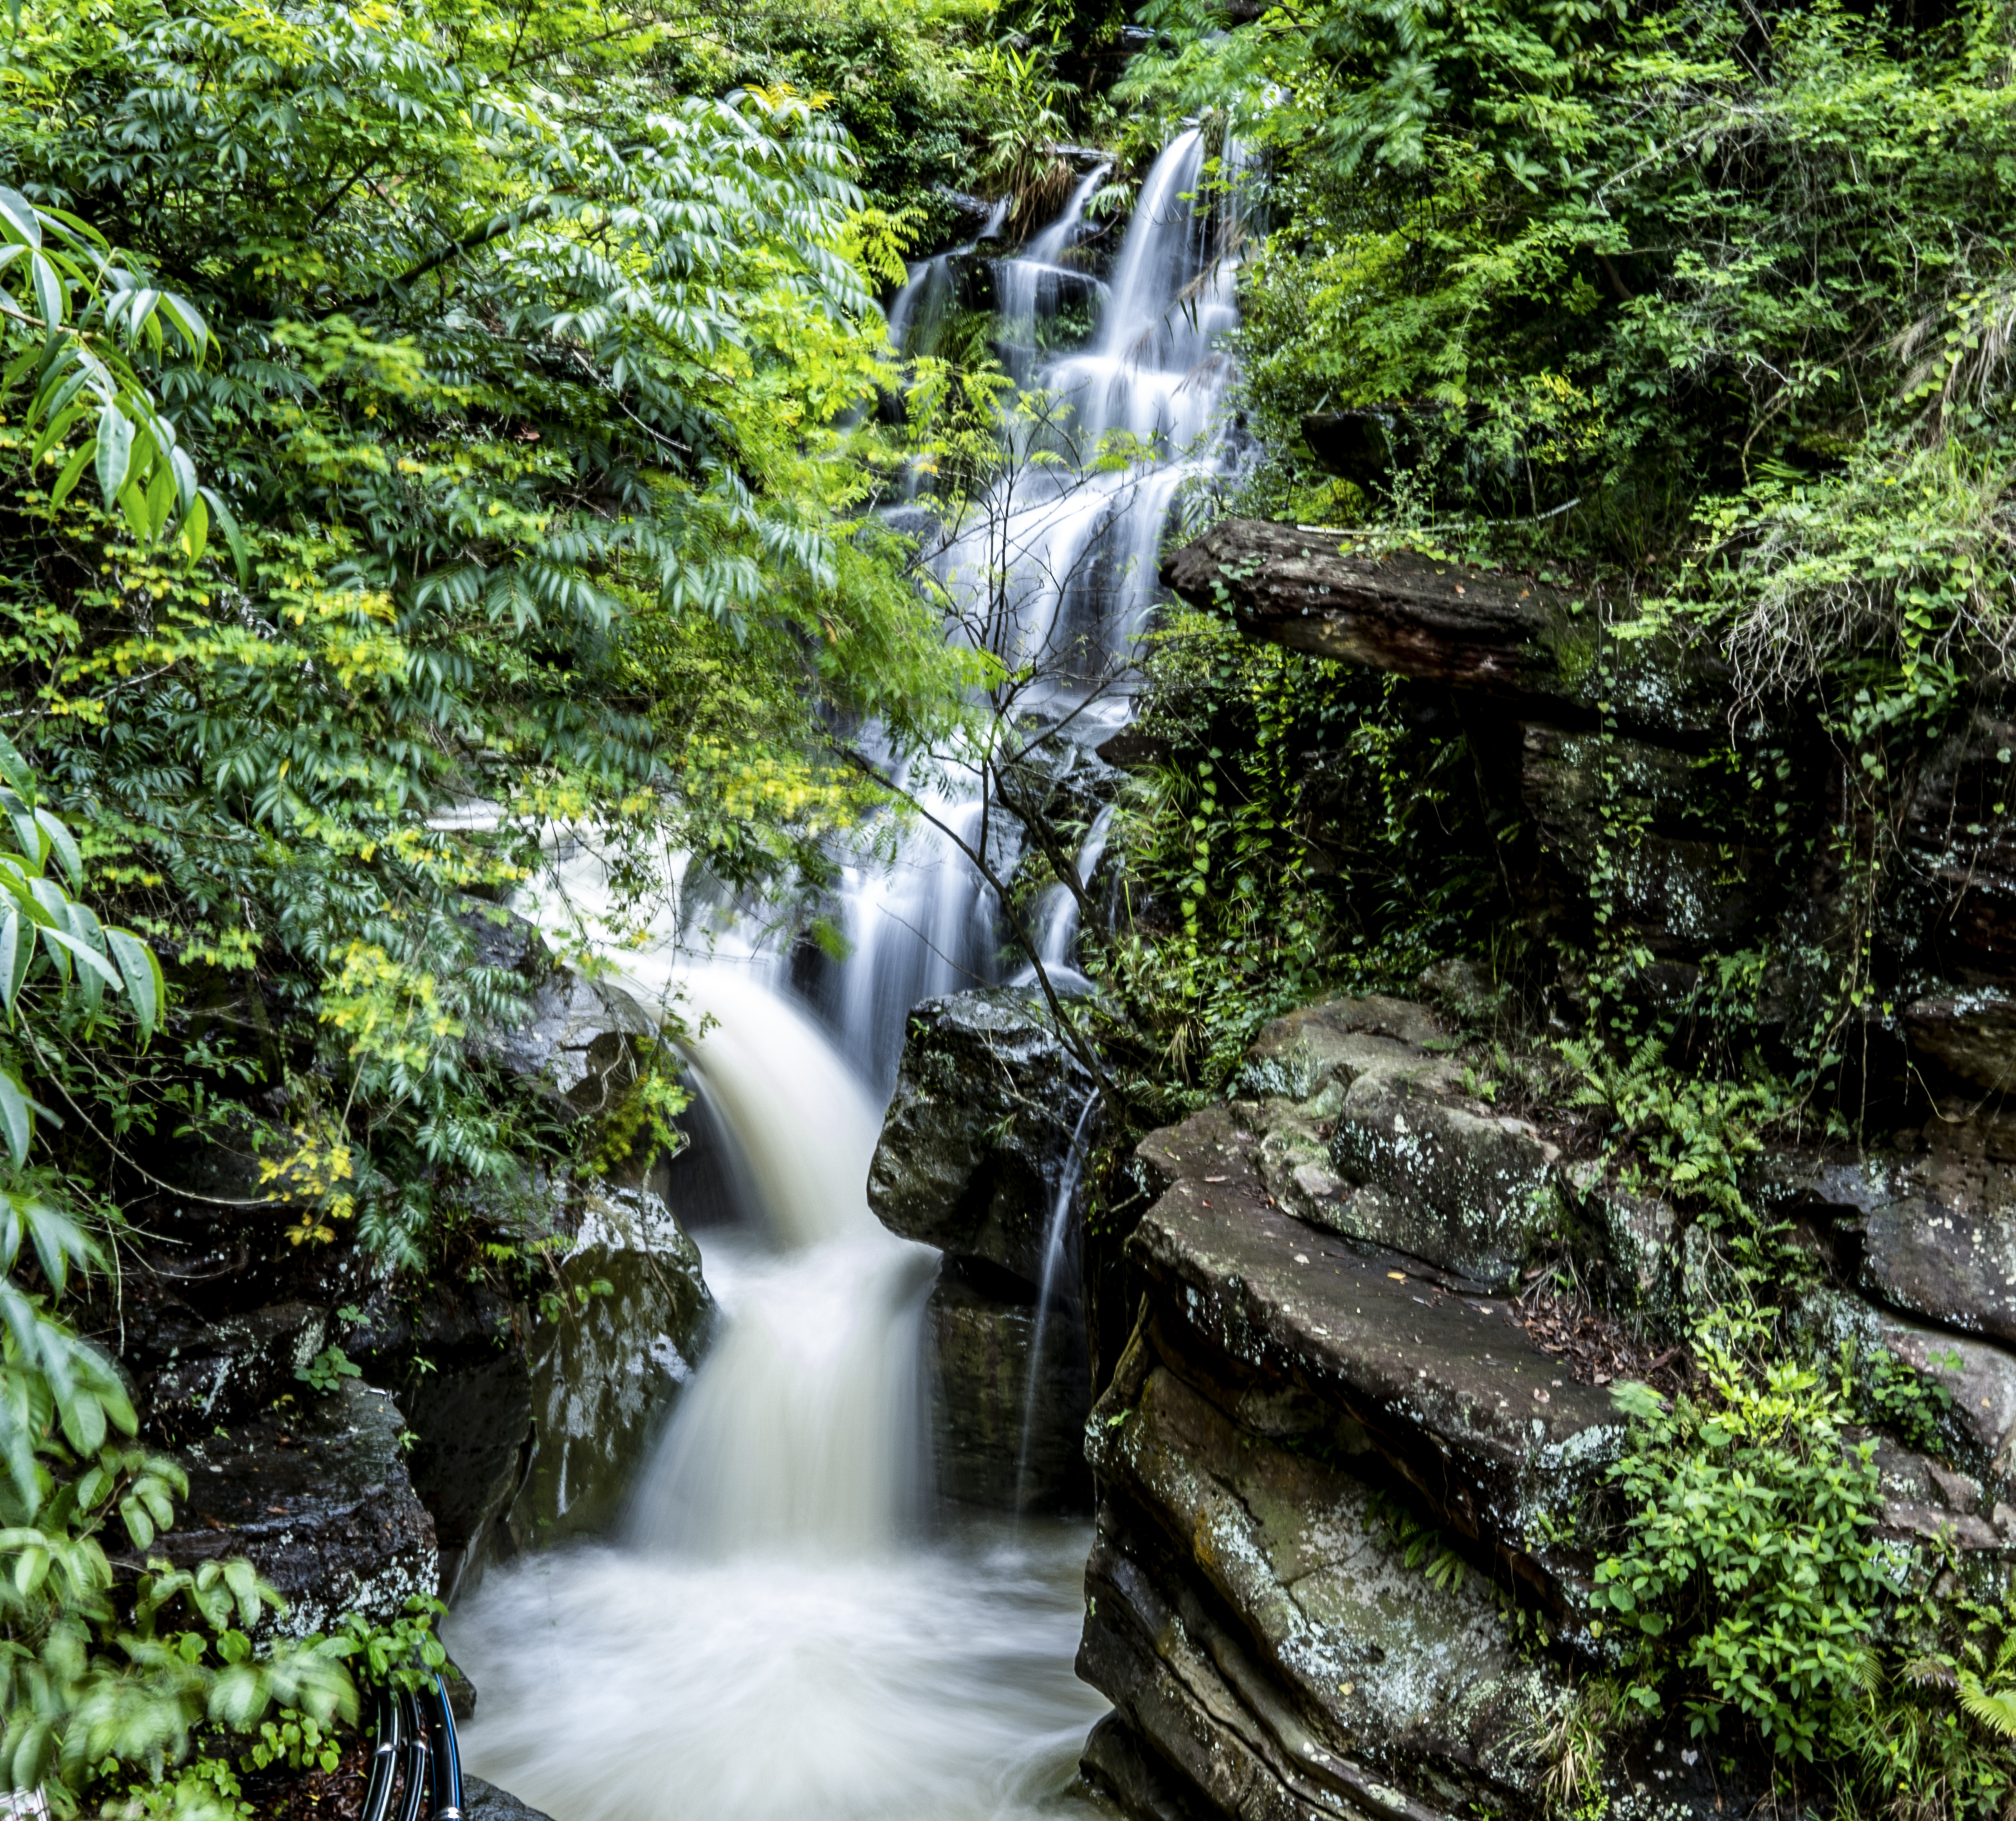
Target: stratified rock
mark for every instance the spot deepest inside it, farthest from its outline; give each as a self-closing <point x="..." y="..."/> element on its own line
<point x="982" y="1396"/>
<point x="1342" y="1657"/>
<point x="1250" y="1611"/>
<point x="1969" y="1033"/>
<point x="1449" y="622"/>
<point x="633" y="1317"/>
<point x="977" y="1136"/>
<point x="319" y="1499"/>
<point x="1450" y="1181"/>
<point x="1447" y="1385"/>
<point x="1501" y="635"/>
<point x="1369" y="1134"/>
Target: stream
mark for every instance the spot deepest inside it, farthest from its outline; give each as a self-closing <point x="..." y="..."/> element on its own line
<point x="789" y="1625"/>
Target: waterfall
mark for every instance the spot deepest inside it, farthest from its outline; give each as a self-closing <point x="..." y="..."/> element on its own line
<point x="1032" y="283"/>
<point x="917" y="310"/>
<point x="779" y="1633"/>
<point x="1056" y="1232"/>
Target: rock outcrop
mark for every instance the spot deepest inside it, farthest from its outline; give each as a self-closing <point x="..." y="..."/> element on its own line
<point x="1301" y="1401"/>
<point x="628" y="1321"/>
<point x="318" y="1497"/>
<point x="975" y="1154"/>
<point x="494" y="1414"/>
<point x="1337" y="1472"/>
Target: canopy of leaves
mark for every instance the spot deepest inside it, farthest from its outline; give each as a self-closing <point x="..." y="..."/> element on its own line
<point x="524" y="387"/>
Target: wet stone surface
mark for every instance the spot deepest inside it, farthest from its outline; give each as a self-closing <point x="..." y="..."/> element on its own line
<point x="318" y="1498"/>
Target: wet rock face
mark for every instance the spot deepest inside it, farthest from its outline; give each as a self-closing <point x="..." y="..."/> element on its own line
<point x="974" y="1143"/>
<point x="606" y="1367"/>
<point x="319" y="1498"/>
<point x="451" y="1354"/>
<point x="972" y="1155"/>
<point x="1288" y="1395"/>
<point x="981" y="1397"/>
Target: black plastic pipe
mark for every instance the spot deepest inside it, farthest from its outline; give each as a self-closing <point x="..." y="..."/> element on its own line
<point x="378" y="1791"/>
<point x="418" y="1755"/>
<point x="447" y="1759"/>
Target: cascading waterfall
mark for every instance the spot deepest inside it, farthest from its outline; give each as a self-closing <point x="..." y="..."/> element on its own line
<point x="781" y="1632"/>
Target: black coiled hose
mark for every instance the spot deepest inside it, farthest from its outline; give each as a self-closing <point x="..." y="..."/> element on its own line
<point x="417" y="1757"/>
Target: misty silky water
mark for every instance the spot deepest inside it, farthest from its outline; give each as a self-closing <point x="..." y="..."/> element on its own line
<point x="809" y="1667"/>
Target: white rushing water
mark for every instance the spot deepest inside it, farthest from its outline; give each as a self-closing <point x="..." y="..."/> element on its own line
<point x="787" y="1630"/>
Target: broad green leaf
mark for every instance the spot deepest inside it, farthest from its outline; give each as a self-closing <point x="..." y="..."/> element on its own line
<point x="64" y="844"/>
<point x="17" y="1123"/>
<point x="115" y="450"/>
<point x="73" y="470"/>
<point x="188" y="322"/>
<point x="196" y="527"/>
<point x="51" y="295"/>
<point x="89" y="959"/>
<point x="139" y="1525"/>
<point x="17" y="217"/>
<point x="14" y="769"/>
<point x="142" y="975"/>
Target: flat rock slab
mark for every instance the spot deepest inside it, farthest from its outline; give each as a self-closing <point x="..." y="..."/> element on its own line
<point x="1394" y="1347"/>
<point x="1448" y="1387"/>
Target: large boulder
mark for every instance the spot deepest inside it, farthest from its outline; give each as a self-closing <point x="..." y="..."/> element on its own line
<point x="1295" y="1413"/>
<point x="977" y="1159"/>
<point x="607" y="1352"/>
<point x="1935" y="1227"/>
<point x="978" y="1136"/>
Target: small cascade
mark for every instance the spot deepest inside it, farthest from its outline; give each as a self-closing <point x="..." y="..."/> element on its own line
<point x="917" y="311"/>
<point x="1055" y="1238"/>
<point x="1058" y="909"/>
<point x="1035" y="282"/>
<point x="916" y="928"/>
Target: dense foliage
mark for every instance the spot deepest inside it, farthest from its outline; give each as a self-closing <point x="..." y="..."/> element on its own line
<point x="523" y="403"/>
<point x="1702" y="310"/>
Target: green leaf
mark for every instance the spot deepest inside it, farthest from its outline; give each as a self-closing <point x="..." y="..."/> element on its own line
<point x="229" y="525"/>
<point x="139" y="1525"/>
<point x="89" y="959"/>
<point x="17" y="1123"/>
<point x="73" y="469"/>
<point x="51" y="295"/>
<point x="142" y="975"/>
<point x="17" y="219"/>
<point x="115" y="450"/>
<point x="65" y="846"/>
